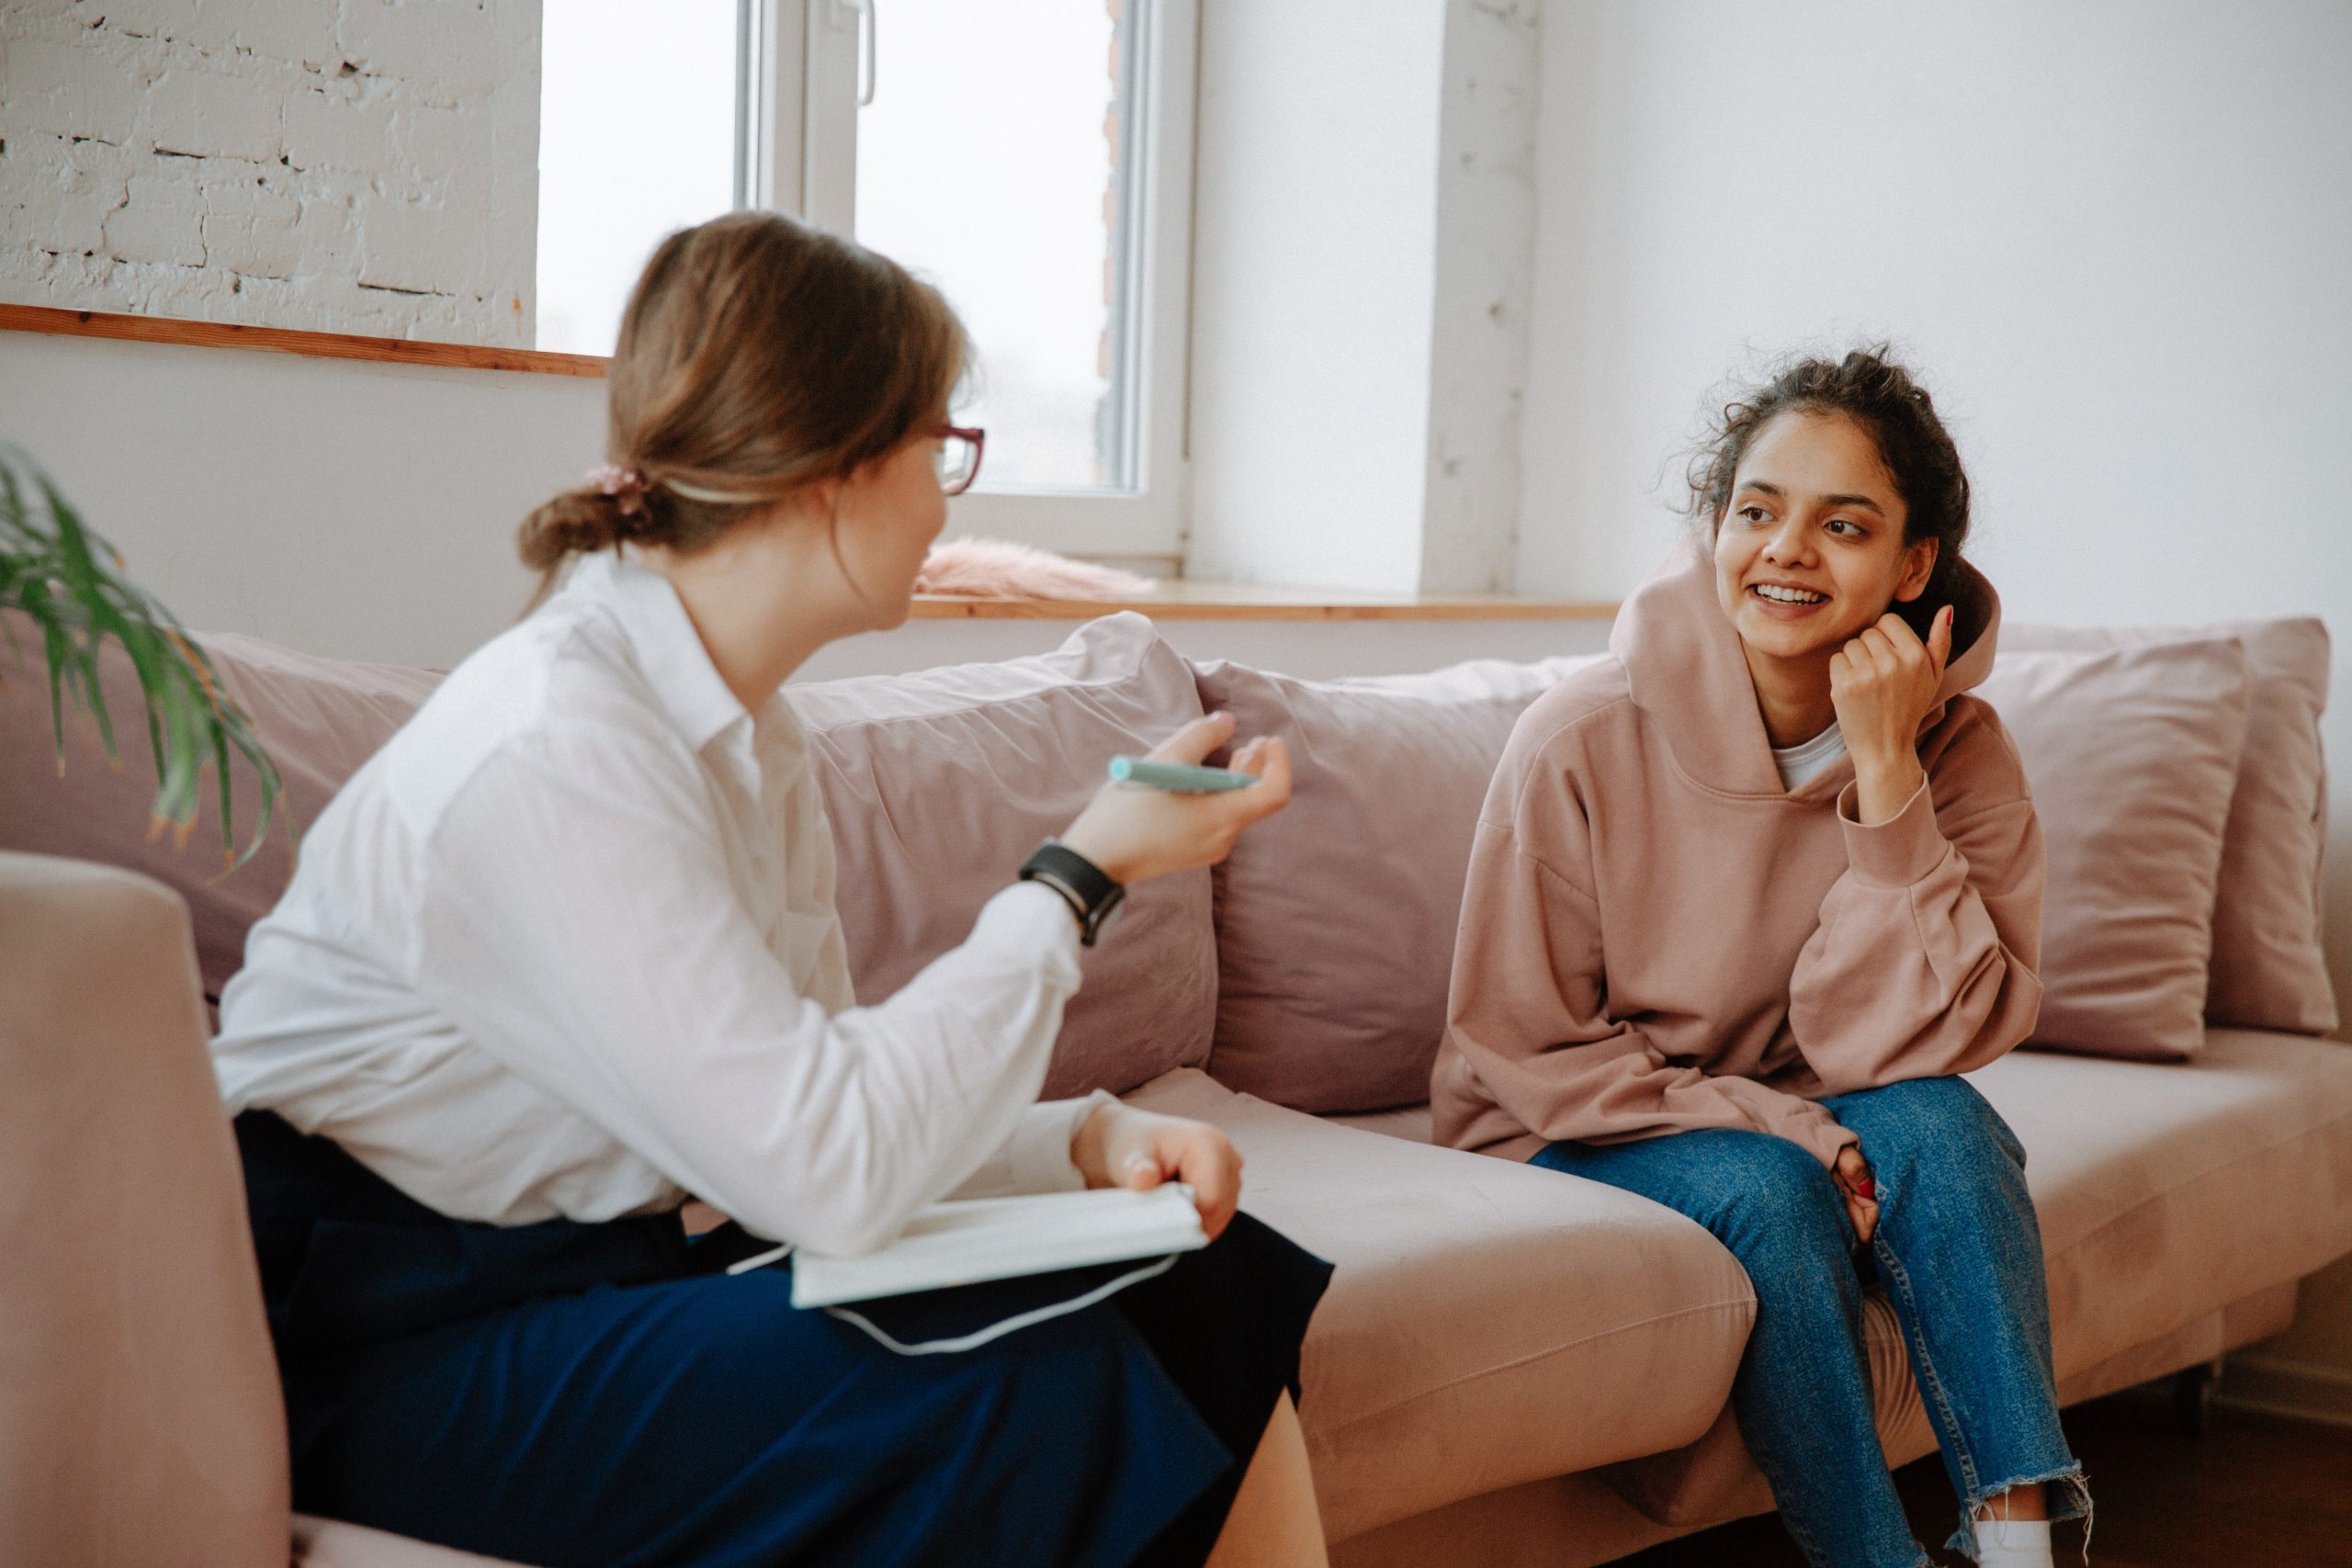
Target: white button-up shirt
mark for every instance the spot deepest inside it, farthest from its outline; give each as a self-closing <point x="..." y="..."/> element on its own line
<point x="567" y="946"/>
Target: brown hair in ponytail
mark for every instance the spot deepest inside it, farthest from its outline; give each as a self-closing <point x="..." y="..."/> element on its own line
<point x="757" y="356"/>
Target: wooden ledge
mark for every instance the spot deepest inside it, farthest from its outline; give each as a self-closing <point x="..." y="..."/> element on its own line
<point x="286" y="340"/>
<point x="1197" y="601"/>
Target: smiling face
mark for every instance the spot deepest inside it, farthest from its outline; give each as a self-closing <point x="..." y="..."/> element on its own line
<point x="1810" y="549"/>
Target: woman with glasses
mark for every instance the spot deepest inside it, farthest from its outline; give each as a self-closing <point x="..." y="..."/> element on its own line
<point x="564" y="955"/>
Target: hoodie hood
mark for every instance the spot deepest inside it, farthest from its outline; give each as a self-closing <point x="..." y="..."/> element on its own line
<point x="1688" y="674"/>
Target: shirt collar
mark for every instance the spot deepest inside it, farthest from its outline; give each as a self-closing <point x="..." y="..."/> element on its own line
<point x="687" y="684"/>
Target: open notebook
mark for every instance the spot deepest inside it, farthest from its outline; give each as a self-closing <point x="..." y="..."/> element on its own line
<point x="963" y="1242"/>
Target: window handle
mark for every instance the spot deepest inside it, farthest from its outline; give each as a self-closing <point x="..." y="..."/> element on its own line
<point x="869" y="38"/>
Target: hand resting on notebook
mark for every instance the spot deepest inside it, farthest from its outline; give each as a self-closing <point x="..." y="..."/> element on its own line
<point x="1119" y="1146"/>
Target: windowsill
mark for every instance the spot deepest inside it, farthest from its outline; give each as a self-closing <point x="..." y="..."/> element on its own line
<point x="1196" y="601"/>
<point x="289" y="340"/>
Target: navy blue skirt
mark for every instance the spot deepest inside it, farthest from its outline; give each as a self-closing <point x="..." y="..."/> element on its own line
<point x="605" y="1395"/>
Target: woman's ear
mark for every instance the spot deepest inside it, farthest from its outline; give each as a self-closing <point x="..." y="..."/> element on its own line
<point x="1920" y="566"/>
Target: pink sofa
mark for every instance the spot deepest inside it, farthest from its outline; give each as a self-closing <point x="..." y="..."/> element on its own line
<point x="1510" y="1367"/>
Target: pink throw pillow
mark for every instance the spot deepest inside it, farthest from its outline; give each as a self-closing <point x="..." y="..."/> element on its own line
<point x="2132" y="755"/>
<point x="1336" y="918"/>
<point x="939" y="783"/>
<point x="319" y="719"/>
<point x="2270" y="970"/>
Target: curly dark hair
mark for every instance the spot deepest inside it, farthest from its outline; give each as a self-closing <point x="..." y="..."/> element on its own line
<point x="1869" y="387"/>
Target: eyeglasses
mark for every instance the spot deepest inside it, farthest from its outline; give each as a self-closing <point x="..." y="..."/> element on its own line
<point x="959" y="457"/>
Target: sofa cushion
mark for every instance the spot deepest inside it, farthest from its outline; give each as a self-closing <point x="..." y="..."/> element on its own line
<point x="2132" y="755"/>
<point x="1489" y="1323"/>
<point x="1336" y="918"/>
<point x="2268" y="969"/>
<point x="2168" y="1190"/>
<point x="2168" y="1194"/>
<point x="318" y="718"/>
<point x="938" y="784"/>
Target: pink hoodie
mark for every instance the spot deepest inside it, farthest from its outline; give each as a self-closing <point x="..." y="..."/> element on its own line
<point x="1655" y="937"/>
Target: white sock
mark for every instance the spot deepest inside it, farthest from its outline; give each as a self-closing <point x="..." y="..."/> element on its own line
<point x="2013" y="1543"/>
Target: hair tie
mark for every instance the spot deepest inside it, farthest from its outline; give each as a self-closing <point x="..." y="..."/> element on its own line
<point x="624" y="485"/>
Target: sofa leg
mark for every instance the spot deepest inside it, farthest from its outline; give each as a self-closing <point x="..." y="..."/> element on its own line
<point x="2192" y="1397"/>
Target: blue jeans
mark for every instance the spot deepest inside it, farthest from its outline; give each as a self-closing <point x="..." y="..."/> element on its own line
<point x="1960" y="1254"/>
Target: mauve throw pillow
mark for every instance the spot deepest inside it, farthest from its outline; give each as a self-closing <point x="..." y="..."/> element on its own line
<point x="938" y="785"/>
<point x="1336" y="918"/>
<point x="319" y="719"/>
<point x="2132" y="754"/>
<point x="2270" y="970"/>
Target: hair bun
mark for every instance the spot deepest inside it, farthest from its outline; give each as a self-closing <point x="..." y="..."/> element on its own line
<point x="578" y="522"/>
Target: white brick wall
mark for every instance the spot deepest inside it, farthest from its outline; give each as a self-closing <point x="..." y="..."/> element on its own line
<point x="344" y="166"/>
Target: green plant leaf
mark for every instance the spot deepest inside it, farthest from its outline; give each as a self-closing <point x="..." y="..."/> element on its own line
<point x="69" y="583"/>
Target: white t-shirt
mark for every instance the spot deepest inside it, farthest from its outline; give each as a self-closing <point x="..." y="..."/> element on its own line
<point x="1808" y="759"/>
<point x="567" y="946"/>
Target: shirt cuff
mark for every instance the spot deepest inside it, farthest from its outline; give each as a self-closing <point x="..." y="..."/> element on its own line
<point x="1898" y="851"/>
<point x="1029" y="921"/>
<point x="1040" y="1150"/>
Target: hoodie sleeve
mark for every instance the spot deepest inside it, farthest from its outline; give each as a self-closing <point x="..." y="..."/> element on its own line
<point x="1924" y="963"/>
<point x="1529" y="1006"/>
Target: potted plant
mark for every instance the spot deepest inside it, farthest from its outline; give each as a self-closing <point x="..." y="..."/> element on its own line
<point x="69" y="583"/>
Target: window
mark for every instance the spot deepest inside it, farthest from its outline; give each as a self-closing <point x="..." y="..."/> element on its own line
<point x="989" y="159"/>
<point x="636" y="137"/>
<point x="1032" y="157"/>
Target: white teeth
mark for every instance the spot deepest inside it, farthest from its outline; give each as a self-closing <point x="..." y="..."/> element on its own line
<point x="1788" y="596"/>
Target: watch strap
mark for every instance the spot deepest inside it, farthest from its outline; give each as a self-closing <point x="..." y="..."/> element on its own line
<point x="1090" y="893"/>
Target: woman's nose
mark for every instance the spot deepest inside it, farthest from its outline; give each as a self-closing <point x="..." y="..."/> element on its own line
<point x="1788" y="546"/>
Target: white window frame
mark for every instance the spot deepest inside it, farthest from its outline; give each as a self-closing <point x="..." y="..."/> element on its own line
<point x="807" y="63"/>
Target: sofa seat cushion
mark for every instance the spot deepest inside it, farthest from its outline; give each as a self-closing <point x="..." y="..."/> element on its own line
<point x="2167" y="1193"/>
<point x="2167" y="1190"/>
<point x="1489" y="1323"/>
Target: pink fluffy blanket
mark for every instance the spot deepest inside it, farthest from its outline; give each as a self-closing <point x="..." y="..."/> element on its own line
<point x="996" y="569"/>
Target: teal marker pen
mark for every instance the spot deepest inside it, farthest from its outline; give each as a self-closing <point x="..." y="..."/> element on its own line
<point x="1179" y="778"/>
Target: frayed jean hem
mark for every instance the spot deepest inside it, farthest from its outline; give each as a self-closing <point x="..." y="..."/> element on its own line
<point x="2074" y="1504"/>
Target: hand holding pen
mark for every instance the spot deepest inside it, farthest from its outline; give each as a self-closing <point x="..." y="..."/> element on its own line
<point x="1134" y="831"/>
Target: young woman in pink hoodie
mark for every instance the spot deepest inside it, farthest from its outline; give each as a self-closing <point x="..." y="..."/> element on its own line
<point x="1745" y="898"/>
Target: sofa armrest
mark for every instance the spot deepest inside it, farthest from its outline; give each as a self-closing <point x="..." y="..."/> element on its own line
<point x="140" y="1420"/>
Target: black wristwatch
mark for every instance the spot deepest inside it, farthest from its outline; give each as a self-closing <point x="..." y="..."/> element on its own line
<point x="1093" y="897"/>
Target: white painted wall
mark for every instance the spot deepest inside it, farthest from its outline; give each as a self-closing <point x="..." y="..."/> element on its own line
<point x="2114" y="234"/>
<point x="1313" y="244"/>
<point x="1363" y="230"/>
<point x="355" y="509"/>
<point x="368" y="510"/>
<point x="339" y="166"/>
